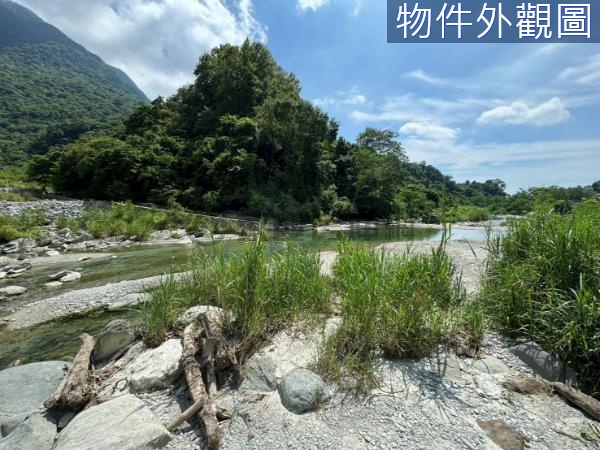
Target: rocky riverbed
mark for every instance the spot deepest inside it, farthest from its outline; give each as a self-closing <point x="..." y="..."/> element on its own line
<point x="444" y="401"/>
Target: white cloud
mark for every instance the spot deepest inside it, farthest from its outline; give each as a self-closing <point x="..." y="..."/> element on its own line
<point x="587" y="73"/>
<point x="428" y="130"/>
<point x="353" y="97"/>
<point x="412" y="108"/>
<point x="421" y="75"/>
<point x="311" y="4"/>
<point x="549" y="113"/>
<point x="156" y="42"/>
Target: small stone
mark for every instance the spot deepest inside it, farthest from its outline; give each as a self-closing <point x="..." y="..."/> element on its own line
<point x="53" y="285"/>
<point x="302" y="390"/>
<point x="2" y="275"/>
<point x="58" y="275"/>
<point x="83" y="258"/>
<point x="13" y="290"/>
<point x="69" y="277"/>
<point x="52" y="253"/>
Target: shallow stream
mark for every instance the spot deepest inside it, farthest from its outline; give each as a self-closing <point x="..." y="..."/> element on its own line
<point x="59" y="339"/>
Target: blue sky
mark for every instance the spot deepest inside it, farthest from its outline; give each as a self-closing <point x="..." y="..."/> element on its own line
<point x="525" y="113"/>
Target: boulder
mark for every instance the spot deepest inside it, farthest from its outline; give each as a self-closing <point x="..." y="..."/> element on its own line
<point x="53" y="285"/>
<point x="123" y="423"/>
<point x="23" y="390"/>
<point x="35" y="433"/>
<point x="156" y="368"/>
<point x="69" y="277"/>
<point x="5" y="261"/>
<point x="117" y="335"/>
<point x="544" y="364"/>
<point x="194" y="312"/>
<point x="302" y="390"/>
<point x="12" y="290"/>
<point x="52" y="253"/>
<point x="2" y="275"/>
<point x="259" y="374"/>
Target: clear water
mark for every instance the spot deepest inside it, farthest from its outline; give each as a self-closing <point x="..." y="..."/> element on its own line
<point x="60" y="339"/>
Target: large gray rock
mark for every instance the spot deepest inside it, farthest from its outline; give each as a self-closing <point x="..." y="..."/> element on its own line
<point x="117" y="335"/>
<point x="123" y="423"/>
<point x="35" y="433"/>
<point x="544" y="364"/>
<point x="12" y="290"/>
<point x="259" y="374"/>
<point x="302" y="390"/>
<point x="5" y="261"/>
<point x="23" y="390"/>
<point x="157" y="368"/>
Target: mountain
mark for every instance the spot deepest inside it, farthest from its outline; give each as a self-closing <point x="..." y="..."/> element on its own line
<point x="51" y="88"/>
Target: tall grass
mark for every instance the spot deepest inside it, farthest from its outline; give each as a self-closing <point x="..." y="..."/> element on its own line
<point x="399" y="306"/>
<point x="543" y="283"/>
<point x="261" y="293"/>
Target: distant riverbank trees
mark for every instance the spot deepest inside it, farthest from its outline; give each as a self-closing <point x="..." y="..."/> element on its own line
<point x="240" y="138"/>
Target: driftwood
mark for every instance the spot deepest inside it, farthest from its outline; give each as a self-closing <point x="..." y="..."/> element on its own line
<point x="193" y="376"/>
<point x="528" y="385"/>
<point x="584" y="402"/>
<point x="76" y="389"/>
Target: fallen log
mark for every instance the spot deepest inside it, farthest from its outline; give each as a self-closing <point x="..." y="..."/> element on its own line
<point x="583" y="401"/>
<point x="76" y="388"/>
<point x="193" y="376"/>
<point x="529" y="385"/>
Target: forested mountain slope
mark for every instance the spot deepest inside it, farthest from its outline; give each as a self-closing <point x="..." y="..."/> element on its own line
<point x="51" y="88"/>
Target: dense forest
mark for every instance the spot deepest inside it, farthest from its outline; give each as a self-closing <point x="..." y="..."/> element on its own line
<point x="52" y="90"/>
<point x="240" y="138"/>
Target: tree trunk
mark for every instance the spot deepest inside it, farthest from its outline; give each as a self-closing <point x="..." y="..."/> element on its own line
<point x="76" y="388"/>
<point x="193" y="376"/>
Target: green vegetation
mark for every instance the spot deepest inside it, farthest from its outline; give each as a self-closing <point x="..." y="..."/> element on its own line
<point x="403" y="306"/>
<point x="543" y="283"/>
<point x="261" y="293"/>
<point x="240" y="138"/>
<point x="131" y="222"/>
<point x="52" y="90"/>
<point x="27" y="224"/>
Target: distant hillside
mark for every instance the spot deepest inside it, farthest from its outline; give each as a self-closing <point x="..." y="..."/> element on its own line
<point x="51" y="88"/>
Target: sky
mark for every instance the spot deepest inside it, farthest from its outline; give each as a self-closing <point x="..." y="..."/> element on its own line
<point x="525" y="113"/>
